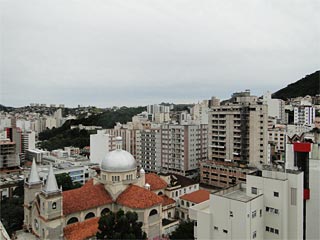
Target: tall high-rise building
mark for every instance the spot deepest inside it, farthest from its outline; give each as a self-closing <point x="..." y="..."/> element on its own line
<point x="237" y="130"/>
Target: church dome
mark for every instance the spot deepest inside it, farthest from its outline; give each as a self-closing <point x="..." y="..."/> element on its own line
<point x="118" y="161"/>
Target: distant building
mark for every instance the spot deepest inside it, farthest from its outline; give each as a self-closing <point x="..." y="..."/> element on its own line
<point x="304" y="115"/>
<point x="276" y="107"/>
<point x="100" y="145"/>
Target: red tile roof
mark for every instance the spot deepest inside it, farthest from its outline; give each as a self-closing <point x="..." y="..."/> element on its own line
<point x="86" y="197"/>
<point x="138" y="197"/>
<point x="166" y="200"/>
<point x="81" y="230"/>
<point x="155" y="181"/>
<point x="197" y="196"/>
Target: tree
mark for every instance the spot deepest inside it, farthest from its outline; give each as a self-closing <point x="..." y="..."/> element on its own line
<point x="65" y="180"/>
<point x="12" y="213"/>
<point x="184" y="231"/>
<point x="120" y="225"/>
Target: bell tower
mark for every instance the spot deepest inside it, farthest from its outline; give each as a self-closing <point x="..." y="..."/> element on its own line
<point x="51" y="210"/>
<point x="32" y="186"/>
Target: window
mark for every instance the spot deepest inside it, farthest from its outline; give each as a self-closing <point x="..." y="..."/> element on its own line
<point x="267" y="209"/>
<point x="169" y="214"/>
<point x="254" y="190"/>
<point x="182" y="202"/>
<point x="254" y="234"/>
<point x="267" y="229"/>
<point x="231" y="214"/>
<point x="276" y="231"/>
<point x="276" y="194"/>
<point x="188" y="204"/>
<point x="254" y="214"/>
<point x="54" y="205"/>
<point x="276" y="211"/>
<point x="225" y="231"/>
<point x="215" y="228"/>
<point x="293" y="196"/>
<point x="271" y="229"/>
<point x="260" y="212"/>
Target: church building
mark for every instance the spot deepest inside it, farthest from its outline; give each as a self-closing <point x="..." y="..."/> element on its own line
<point x="50" y="213"/>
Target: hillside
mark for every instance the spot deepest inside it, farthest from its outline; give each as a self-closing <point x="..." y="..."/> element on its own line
<point x="64" y="136"/>
<point x="309" y="85"/>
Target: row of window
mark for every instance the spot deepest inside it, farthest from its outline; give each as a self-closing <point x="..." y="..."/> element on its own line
<point x="254" y="190"/>
<point x="217" y="229"/>
<point x="272" y="210"/>
<point x="272" y="230"/>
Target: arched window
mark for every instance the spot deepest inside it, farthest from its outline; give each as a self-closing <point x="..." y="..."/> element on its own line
<point x="153" y="212"/>
<point x="54" y="205"/>
<point x="160" y="193"/>
<point x="89" y="215"/>
<point x="105" y="211"/>
<point x="72" y="220"/>
<point x="169" y="214"/>
<point x="182" y="202"/>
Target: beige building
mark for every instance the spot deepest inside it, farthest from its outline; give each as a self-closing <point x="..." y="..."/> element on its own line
<point x="237" y="130"/>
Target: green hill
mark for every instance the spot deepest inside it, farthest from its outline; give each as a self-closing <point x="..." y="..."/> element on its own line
<point x="309" y="85"/>
<point x="64" y="136"/>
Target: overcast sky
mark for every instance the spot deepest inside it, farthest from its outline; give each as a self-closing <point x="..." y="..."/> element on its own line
<point x="114" y="52"/>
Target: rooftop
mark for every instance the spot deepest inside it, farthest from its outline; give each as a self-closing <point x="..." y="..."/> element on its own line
<point x="155" y="181"/>
<point x="88" y="196"/>
<point x="81" y="230"/>
<point x="138" y="197"/>
<point x="237" y="192"/>
<point x="197" y="196"/>
<point x="166" y="200"/>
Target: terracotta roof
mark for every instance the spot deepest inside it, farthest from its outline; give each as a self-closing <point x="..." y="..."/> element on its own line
<point x="86" y="197"/>
<point x="197" y="196"/>
<point x="155" y="181"/>
<point x="166" y="200"/>
<point x="138" y="197"/>
<point x="81" y="230"/>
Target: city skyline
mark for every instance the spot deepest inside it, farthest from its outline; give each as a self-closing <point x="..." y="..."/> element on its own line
<point x="122" y="53"/>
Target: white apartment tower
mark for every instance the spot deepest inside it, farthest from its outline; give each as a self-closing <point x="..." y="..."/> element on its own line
<point x="100" y="145"/>
<point x="304" y="115"/>
<point x="237" y="130"/>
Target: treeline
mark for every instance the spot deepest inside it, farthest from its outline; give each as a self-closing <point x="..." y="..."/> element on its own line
<point x="64" y="136"/>
<point x="309" y="85"/>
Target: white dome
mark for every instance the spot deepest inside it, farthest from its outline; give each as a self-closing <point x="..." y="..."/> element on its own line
<point x="118" y="161"/>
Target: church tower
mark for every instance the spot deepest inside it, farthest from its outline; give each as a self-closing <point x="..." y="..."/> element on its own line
<point x="32" y="186"/>
<point x="51" y="211"/>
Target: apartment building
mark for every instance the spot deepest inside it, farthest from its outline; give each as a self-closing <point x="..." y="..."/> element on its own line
<point x="9" y="157"/>
<point x="268" y="206"/>
<point x="183" y="147"/>
<point x="276" y="107"/>
<point x="304" y="115"/>
<point x="237" y="130"/>
<point x="223" y="174"/>
<point x="277" y="143"/>
<point x="149" y="156"/>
